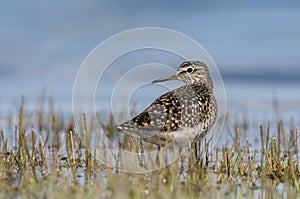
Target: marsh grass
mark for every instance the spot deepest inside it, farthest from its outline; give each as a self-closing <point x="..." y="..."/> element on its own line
<point x="44" y="158"/>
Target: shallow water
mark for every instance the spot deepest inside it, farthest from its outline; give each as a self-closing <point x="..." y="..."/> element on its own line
<point x="249" y="103"/>
<point x="254" y="101"/>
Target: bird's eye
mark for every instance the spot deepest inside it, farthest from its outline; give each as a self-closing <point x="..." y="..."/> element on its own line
<point x="190" y="70"/>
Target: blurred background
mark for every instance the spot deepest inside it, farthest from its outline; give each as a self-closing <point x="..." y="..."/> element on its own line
<point x="255" y="44"/>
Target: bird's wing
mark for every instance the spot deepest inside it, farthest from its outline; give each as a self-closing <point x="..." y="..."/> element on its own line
<point x="164" y="114"/>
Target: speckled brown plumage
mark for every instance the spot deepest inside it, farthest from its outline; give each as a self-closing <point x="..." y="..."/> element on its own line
<point x="190" y="107"/>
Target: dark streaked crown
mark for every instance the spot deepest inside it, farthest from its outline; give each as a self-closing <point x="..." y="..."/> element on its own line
<point x="194" y="72"/>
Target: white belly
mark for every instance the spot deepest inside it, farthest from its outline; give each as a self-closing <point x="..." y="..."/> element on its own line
<point x="182" y="136"/>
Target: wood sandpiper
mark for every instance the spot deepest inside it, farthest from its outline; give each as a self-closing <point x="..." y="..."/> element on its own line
<point x="182" y="115"/>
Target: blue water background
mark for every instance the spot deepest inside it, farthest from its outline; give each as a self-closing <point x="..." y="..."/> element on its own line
<point x="256" y="46"/>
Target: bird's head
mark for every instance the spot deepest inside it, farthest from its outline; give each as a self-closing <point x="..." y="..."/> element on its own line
<point x="191" y="72"/>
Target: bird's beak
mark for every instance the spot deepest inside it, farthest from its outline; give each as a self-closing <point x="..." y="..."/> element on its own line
<point x="172" y="77"/>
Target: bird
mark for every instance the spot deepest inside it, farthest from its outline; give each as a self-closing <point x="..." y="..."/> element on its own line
<point x="179" y="116"/>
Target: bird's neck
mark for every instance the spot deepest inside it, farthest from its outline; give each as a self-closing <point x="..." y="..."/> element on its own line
<point x="202" y="87"/>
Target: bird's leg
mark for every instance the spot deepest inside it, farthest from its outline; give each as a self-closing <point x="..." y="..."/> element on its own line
<point x="181" y="158"/>
<point x="195" y="150"/>
<point x="201" y="148"/>
<point x="157" y="161"/>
